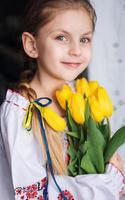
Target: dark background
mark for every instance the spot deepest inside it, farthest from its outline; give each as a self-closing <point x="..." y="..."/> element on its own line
<point x="11" y="12"/>
<point x="11" y="60"/>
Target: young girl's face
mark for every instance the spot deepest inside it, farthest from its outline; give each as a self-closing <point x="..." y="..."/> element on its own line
<point x="64" y="45"/>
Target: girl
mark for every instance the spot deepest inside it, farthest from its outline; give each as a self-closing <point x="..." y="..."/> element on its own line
<point x="58" y="38"/>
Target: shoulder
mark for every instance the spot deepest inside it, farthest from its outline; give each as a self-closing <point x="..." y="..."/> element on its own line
<point x="13" y="102"/>
<point x="12" y="113"/>
<point x="15" y="99"/>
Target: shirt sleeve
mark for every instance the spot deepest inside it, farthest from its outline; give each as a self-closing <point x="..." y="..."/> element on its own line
<point x="6" y="185"/>
<point x="89" y="187"/>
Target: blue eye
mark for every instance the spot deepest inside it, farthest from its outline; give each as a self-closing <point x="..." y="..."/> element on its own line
<point x="61" y="38"/>
<point x="85" y="40"/>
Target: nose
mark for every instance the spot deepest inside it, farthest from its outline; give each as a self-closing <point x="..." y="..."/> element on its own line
<point x="75" y="49"/>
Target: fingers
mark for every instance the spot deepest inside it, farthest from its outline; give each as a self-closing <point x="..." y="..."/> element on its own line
<point x="117" y="161"/>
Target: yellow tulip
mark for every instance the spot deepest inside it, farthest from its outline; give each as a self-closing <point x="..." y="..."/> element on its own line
<point x="63" y="95"/>
<point x="82" y="86"/>
<point x="105" y="102"/>
<point x="76" y="105"/>
<point x="93" y="85"/>
<point x="96" y="109"/>
<point x="53" y="119"/>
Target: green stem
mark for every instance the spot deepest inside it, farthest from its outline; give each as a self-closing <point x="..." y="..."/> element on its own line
<point x="109" y="126"/>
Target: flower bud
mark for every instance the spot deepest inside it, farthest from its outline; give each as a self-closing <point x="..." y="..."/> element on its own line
<point x="63" y="95"/>
<point x="93" y="85"/>
<point x="82" y="86"/>
<point x="53" y="119"/>
<point x="76" y="105"/>
<point x="96" y="109"/>
<point x="105" y="102"/>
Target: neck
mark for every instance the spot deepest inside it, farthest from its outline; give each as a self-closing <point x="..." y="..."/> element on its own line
<point x="45" y="85"/>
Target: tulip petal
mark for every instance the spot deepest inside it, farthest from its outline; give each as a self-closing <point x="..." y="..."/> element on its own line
<point x="96" y="109"/>
<point x="105" y="102"/>
<point x="76" y="105"/>
<point x="93" y="85"/>
<point x="53" y="119"/>
<point x="82" y="86"/>
<point x="63" y="95"/>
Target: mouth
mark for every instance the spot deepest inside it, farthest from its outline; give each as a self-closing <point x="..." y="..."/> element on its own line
<point x="72" y="65"/>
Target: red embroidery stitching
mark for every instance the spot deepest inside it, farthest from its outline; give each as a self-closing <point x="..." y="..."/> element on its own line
<point x="18" y="94"/>
<point x="15" y="104"/>
<point x="67" y="194"/>
<point x="32" y="192"/>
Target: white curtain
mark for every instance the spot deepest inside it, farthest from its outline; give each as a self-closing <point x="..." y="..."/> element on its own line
<point x="108" y="63"/>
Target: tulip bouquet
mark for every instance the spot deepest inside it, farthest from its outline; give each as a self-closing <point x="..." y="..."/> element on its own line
<point x="88" y="109"/>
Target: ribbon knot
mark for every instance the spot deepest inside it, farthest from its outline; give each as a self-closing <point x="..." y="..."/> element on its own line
<point x="29" y="111"/>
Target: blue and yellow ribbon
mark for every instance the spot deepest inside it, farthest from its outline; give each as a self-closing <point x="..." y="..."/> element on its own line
<point x="29" y="112"/>
<point x="37" y="105"/>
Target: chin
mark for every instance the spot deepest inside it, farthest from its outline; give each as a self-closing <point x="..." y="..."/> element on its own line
<point x="70" y="77"/>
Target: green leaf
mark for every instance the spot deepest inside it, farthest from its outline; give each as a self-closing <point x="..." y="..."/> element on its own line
<point x="71" y="151"/>
<point x="81" y="133"/>
<point x="73" y="134"/>
<point x="72" y="167"/>
<point x="87" y="165"/>
<point x="104" y="129"/>
<point x="87" y="112"/>
<point x="95" y="145"/>
<point x="83" y="148"/>
<point x="73" y="164"/>
<point x="109" y="127"/>
<point x="81" y="171"/>
<point x="115" y="142"/>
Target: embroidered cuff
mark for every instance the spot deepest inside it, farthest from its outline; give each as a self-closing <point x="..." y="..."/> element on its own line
<point x="117" y="175"/>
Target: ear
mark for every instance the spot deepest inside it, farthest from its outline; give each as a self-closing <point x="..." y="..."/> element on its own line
<point x="29" y="45"/>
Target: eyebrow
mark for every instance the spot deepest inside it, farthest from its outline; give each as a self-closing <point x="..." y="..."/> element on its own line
<point x="64" y="31"/>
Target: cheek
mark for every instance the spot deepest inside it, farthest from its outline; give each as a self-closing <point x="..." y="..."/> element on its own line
<point x="87" y="54"/>
<point x="54" y="52"/>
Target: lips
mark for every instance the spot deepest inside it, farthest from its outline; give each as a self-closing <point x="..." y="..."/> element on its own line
<point x="71" y="64"/>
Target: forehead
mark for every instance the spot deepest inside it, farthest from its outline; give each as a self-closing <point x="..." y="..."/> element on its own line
<point x="70" y="20"/>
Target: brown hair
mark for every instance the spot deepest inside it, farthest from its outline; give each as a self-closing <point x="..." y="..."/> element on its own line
<point x="37" y="14"/>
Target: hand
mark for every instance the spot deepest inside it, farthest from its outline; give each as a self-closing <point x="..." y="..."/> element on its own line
<point x="117" y="161"/>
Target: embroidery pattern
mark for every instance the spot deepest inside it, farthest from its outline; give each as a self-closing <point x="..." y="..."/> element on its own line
<point x="67" y="194"/>
<point x="33" y="192"/>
